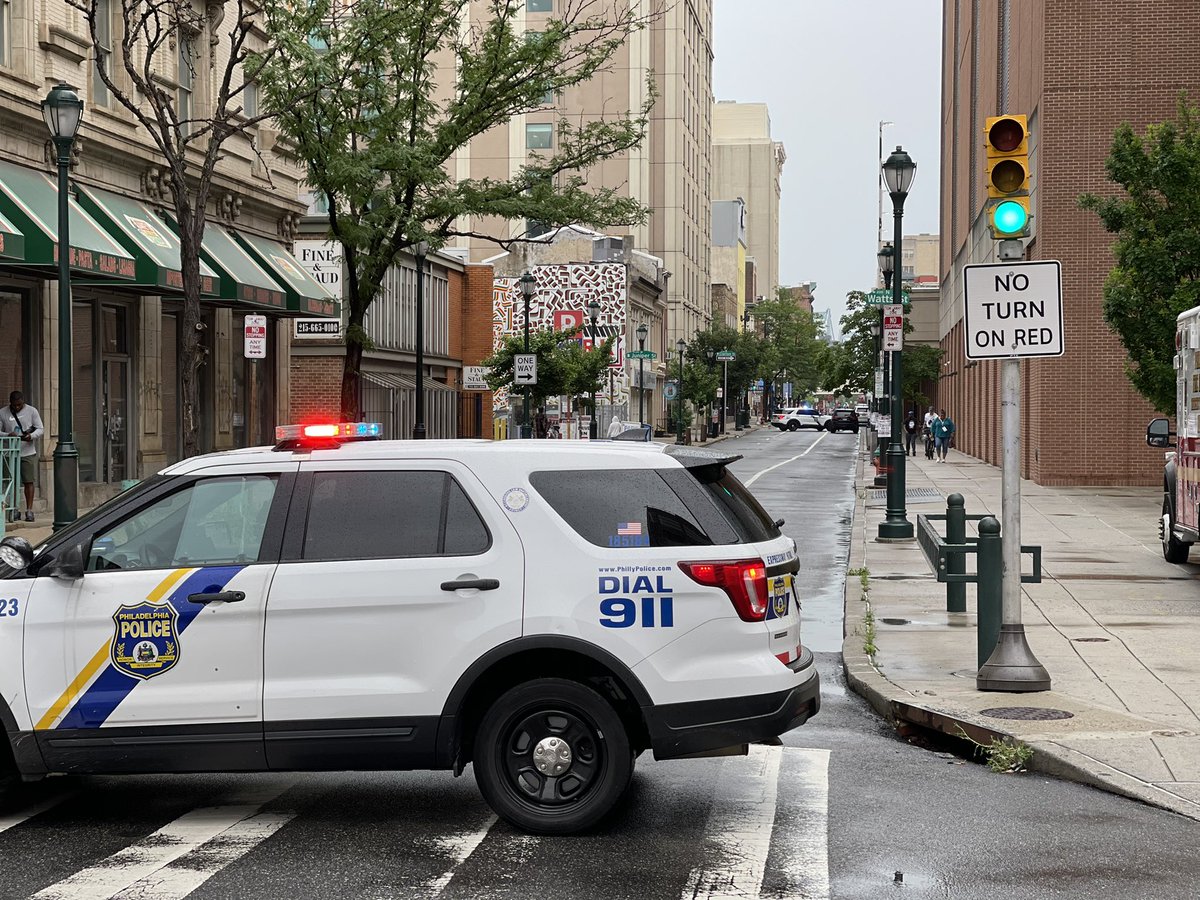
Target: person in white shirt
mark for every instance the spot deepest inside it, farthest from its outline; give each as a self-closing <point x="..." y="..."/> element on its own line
<point x="19" y="419"/>
<point x="615" y="427"/>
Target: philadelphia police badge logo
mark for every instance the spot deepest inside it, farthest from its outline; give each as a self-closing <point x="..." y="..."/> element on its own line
<point x="147" y="640"/>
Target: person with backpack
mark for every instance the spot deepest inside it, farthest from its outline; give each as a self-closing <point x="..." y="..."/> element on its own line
<point x="911" y="430"/>
<point x="943" y="433"/>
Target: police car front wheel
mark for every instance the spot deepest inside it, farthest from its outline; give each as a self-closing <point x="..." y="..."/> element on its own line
<point x="552" y="757"/>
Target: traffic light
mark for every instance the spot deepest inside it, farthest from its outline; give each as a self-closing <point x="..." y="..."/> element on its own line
<point x="1007" y="142"/>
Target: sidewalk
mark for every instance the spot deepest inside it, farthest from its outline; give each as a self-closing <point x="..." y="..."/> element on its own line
<point x="1115" y="625"/>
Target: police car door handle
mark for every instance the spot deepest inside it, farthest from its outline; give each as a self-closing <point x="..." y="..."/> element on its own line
<point x="222" y="597"/>
<point x="469" y="584"/>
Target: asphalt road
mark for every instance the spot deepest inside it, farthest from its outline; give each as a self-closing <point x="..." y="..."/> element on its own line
<point x="837" y="811"/>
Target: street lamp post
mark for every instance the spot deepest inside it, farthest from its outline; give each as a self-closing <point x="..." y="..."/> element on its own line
<point x="420" y="250"/>
<point x="710" y="356"/>
<point x="887" y="261"/>
<point x="642" y="331"/>
<point x="63" y="111"/>
<point x="593" y="309"/>
<point x="680" y="346"/>
<point x="898" y="171"/>
<point x="737" y="419"/>
<point x="528" y="288"/>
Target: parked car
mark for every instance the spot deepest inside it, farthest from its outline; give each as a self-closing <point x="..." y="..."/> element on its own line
<point x="795" y="418"/>
<point x="844" y="419"/>
<point x="863" y="412"/>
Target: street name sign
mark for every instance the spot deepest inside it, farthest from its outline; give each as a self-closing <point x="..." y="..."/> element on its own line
<point x="525" y="368"/>
<point x="475" y="378"/>
<point x="642" y="354"/>
<point x="726" y="356"/>
<point x="880" y="296"/>
<point x="1013" y="310"/>
<point x="893" y="327"/>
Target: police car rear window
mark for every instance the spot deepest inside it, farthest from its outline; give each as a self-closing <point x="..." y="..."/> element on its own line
<point x="740" y="507"/>
<point x="623" y="508"/>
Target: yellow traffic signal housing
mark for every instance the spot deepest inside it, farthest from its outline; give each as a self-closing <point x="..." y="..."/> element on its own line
<point x="1009" y="218"/>
<point x="1007" y="143"/>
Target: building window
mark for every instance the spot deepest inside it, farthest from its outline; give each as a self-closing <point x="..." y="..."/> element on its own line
<point x="250" y="99"/>
<point x="103" y="50"/>
<point x="539" y="6"/>
<point x="5" y="32"/>
<point x="539" y="137"/>
<point x="185" y="62"/>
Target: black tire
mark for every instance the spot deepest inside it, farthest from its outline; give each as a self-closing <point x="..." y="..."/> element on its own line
<point x="533" y="714"/>
<point x="793" y="426"/>
<point x="1174" y="550"/>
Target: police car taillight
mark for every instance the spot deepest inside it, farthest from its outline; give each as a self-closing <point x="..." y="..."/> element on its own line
<point x="326" y="434"/>
<point x="744" y="581"/>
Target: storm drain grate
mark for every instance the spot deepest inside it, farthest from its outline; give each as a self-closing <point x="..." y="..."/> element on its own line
<point x="1027" y="713"/>
<point x="895" y="621"/>
<point x="912" y="495"/>
<point x="1090" y="640"/>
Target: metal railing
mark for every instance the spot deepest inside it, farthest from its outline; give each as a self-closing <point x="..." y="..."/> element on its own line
<point x="10" y="478"/>
<point x="947" y="557"/>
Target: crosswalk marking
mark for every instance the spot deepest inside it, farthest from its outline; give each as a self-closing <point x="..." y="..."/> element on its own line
<point x="188" y="872"/>
<point x="7" y="822"/>
<point x="737" y="836"/>
<point x="805" y="857"/>
<point x="174" y="840"/>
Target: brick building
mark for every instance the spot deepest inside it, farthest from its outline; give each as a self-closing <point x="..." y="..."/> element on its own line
<point x="1077" y="69"/>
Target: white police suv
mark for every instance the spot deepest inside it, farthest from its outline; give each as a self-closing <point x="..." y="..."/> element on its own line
<point x="543" y="612"/>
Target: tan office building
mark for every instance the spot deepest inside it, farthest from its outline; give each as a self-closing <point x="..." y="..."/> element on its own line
<point x="669" y="173"/>
<point x="748" y="165"/>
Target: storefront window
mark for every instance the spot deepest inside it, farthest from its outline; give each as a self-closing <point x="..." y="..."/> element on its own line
<point x="253" y="383"/>
<point x="14" y="364"/>
<point x="85" y="390"/>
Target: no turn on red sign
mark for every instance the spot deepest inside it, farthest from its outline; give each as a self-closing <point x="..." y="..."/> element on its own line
<point x="256" y="337"/>
<point x="1013" y="310"/>
<point x="893" y="327"/>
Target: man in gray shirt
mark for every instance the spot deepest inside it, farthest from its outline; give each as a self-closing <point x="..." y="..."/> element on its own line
<point x="19" y="419"/>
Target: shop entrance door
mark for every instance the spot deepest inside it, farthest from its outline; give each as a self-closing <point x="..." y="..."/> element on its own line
<point x="115" y="419"/>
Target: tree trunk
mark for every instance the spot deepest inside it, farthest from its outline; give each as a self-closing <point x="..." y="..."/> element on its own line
<point x="191" y="343"/>
<point x="351" y="372"/>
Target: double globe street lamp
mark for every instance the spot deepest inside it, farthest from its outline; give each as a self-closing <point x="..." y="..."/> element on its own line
<point x="643" y="332"/>
<point x="593" y="309"/>
<point x="63" y="111"/>
<point x="898" y="172"/>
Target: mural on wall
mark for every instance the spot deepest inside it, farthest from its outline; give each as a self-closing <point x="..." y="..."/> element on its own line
<point x="563" y="294"/>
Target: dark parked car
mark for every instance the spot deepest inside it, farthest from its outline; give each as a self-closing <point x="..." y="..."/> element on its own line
<point x="842" y="420"/>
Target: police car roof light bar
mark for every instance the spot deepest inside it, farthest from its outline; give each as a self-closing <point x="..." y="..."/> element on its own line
<point x="744" y="581"/>
<point x="325" y="434"/>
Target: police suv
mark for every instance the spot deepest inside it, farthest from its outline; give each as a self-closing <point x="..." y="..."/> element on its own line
<point x="544" y="613"/>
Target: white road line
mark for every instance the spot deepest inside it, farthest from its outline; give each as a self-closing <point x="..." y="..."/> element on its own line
<point x="758" y="475"/>
<point x="7" y="822"/>
<point x="187" y="873"/>
<point x="737" y="836"/>
<point x="174" y="840"/>
<point x="806" y="860"/>
<point x="460" y="847"/>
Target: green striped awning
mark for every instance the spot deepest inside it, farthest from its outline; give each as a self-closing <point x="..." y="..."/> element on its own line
<point x="12" y="242"/>
<point x="305" y="295"/>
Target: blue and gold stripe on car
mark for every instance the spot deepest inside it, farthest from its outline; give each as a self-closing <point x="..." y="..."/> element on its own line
<point x="90" y="699"/>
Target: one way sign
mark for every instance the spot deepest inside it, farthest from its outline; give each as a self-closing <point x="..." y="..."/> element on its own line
<point x="525" y="368"/>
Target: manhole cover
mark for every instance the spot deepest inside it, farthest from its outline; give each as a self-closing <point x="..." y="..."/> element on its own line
<point x="1027" y="713"/>
<point x="895" y="621"/>
<point x="1090" y="640"/>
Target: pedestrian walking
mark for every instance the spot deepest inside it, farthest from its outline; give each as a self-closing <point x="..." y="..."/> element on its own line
<point x="615" y="427"/>
<point x="19" y="419"/>
<point x="911" y="430"/>
<point x="943" y="434"/>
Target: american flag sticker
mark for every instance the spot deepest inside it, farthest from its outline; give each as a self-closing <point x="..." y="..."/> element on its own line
<point x="632" y="528"/>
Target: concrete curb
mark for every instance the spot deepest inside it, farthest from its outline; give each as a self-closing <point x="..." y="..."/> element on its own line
<point x="899" y="706"/>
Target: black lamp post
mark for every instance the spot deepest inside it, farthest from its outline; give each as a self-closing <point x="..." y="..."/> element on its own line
<point x="744" y="400"/>
<point x="528" y="289"/>
<point x="642" y="331"/>
<point x="63" y="111"/>
<point x="680" y="346"/>
<point x="898" y="171"/>
<point x="420" y="250"/>
<point x="710" y="356"/>
<point x="887" y="261"/>
<point x="593" y="309"/>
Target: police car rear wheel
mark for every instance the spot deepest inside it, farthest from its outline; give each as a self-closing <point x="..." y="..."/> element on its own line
<point x="552" y="757"/>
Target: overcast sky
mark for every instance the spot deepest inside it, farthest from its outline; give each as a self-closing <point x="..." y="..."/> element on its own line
<point x="831" y="70"/>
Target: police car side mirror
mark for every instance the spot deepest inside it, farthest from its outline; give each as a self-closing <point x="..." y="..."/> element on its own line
<point x="1159" y="434"/>
<point x="70" y="563"/>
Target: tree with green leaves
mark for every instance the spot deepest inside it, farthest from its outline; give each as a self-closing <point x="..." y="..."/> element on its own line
<point x="564" y="368"/>
<point x="1156" y="220"/>
<point x="743" y="371"/>
<point x="791" y="344"/>
<point x="404" y="88"/>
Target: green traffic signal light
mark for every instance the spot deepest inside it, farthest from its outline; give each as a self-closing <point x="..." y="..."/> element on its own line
<point x="1010" y="217"/>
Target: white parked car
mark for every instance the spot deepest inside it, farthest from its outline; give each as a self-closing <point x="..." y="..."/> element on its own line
<point x="542" y="612"/>
<point x="793" y="419"/>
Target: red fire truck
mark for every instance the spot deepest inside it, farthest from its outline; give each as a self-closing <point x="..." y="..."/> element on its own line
<point x="1179" y="526"/>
